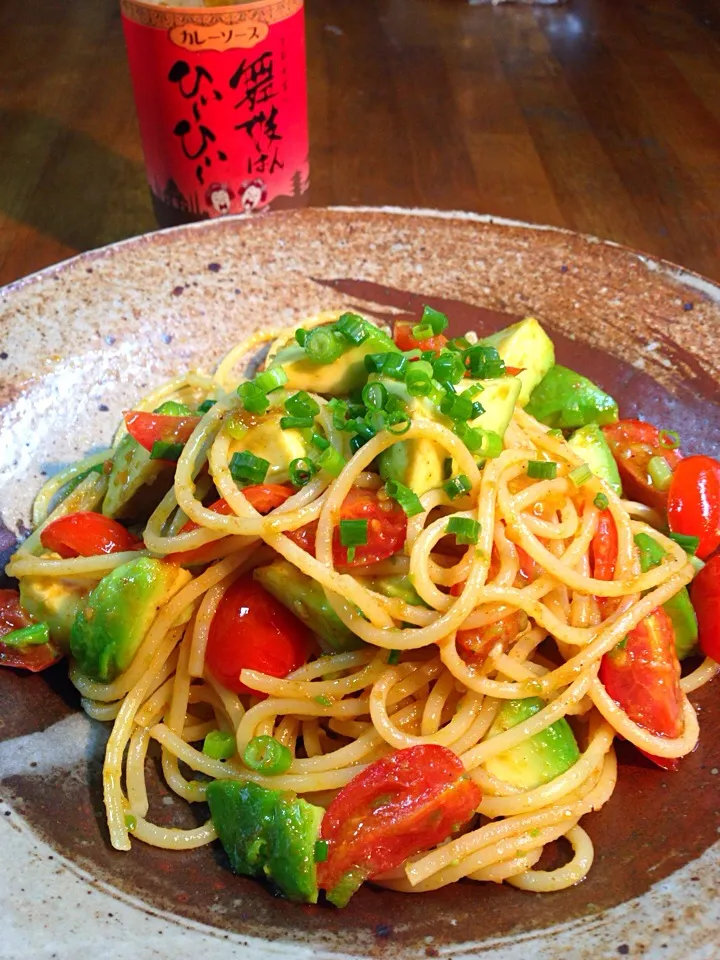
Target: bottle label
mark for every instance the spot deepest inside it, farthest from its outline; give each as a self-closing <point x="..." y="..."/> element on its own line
<point x="221" y="99"/>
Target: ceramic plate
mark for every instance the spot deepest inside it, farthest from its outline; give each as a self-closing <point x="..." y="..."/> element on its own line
<point x="81" y="341"/>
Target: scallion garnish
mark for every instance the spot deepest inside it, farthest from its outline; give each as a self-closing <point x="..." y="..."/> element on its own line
<point x="252" y="397"/>
<point x="470" y="436"/>
<point x="322" y="848"/>
<point x="267" y="755"/>
<point x="601" y="501"/>
<point x="166" y="450"/>
<point x="301" y="471"/>
<point x="317" y="440"/>
<point x="660" y="472"/>
<point x="271" y="379"/>
<point x="248" y="469"/>
<point x="687" y="542"/>
<point x="356" y="442"/>
<point x="301" y="336"/>
<point x="353" y="328"/>
<point x="457" y="487"/>
<point x="374" y="396"/>
<point x="423" y="331"/>
<point x="398" y="423"/>
<point x="353" y="533"/>
<point x="295" y="423"/>
<point x="417" y="382"/>
<point x="34" y="635"/>
<point x="219" y="745"/>
<point x="466" y="531"/>
<point x="332" y="461"/>
<point x="484" y="363"/>
<point x="668" y="439"/>
<point x="387" y="364"/>
<point x="301" y="404"/>
<point x="205" y="406"/>
<point x="393" y="658"/>
<point x="437" y="321"/>
<point x="408" y="500"/>
<point x="457" y="406"/>
<point x="542" y="469"/>
<point x="322" y="345"/>
<point x="580" y="475"/>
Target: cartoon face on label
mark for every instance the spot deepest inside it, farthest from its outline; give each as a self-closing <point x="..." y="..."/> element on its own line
<point x="219" y="197"/>
<point x="253" y="194"/>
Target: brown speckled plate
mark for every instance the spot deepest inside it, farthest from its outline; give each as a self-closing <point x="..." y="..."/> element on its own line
<point x="80" y="341"/>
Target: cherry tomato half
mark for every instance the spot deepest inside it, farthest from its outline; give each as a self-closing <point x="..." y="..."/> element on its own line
<point x="404" y="339"/>
<point x="399" y="805"/>
<point x="87" y="534"/>
<point x="147" y="428"/>
<point x="705" y="596"/>
<point x="12" y="617"/>
<point x="387" y="529"/>
<point x="642" y="675"/>
<point x="604" y="547"/>
<point x="251" y="630"/>
<point x="693" y="505"/>
<point x="633" y="444"/>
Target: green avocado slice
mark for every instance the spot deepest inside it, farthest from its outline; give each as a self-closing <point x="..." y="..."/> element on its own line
<point x="679" y="608"/>
<point x="566" y="399"/>
<point x="112" y="623"/>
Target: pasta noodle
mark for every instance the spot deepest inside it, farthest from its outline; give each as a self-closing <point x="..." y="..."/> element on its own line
<point x="341" y="711"/>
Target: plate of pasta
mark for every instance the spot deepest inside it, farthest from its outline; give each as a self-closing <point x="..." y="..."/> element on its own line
<point x="363" y="587"/>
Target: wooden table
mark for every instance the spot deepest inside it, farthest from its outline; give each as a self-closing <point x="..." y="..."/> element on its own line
<point x="602" y="116"/>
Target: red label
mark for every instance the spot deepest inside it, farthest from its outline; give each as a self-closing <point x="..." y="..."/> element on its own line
<point x="222" y="104"/>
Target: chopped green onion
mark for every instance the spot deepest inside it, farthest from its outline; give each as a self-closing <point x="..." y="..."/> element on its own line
<point x="418" y="383"/>
<point x="601" y="501"/>
<point x="267" y="755"/>
<point x="387" y="364"/>
<point x="332" y="461"/>
<point x="323" y="346"/>
<point x="317" y="440"/>
<point x="408" y="500"/>
<point x="353" y="328"/>
<point x="130" y="821"/>
<point x="557" y="433"/>
<point x="580" y="475"/>
<point x="466" y="530"/>
<point x="339" y="409"/>
<point x="484" y="363"/>
<point x="235" y="427"/>
<point x="477" y="410"/>
<point x="356" y="442"/>
<point x="457" y="487"/>
<point x="437" y="321"/>
<point x="252" y="397"/>
<point x="470" y="436"/>
<point x="393" y="658"/>
<point x="295" y="423"/>
<point x="377" y="419"/>
<point x="696" y="563"/>
<point x="353" y="533"/>
<point x="457" y="407"/>
<point x="398" y="424"/>
<point x="542" y="469"/>
<point x="219" y="745"/>
<point x="492" y="444"/>
<point x="361" y="427"/>
<point x="246" y="468"/>
<point x="321" y="851"/>
<point x="322" y="700"/>
<point x="686" y="541"/>
<point x="447" y="468"/>
<point x="301" y="404"/>
<point x="166" y="450"/>
<point x="423" y="331"/>
<point x="172" y="408"/>
<point x="669" y="439"/>
<point x="34" y="635"/>
<point x="660" y="472"/>
<point x="206" y="405"/>
<point x="301" y="471"/>
<point x="271" y="379"/>
<point x="301" y="336"/>
<point x="374" y="396"/>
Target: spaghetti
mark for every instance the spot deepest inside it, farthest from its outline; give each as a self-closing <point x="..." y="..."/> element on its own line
<point x="512" y="611"/>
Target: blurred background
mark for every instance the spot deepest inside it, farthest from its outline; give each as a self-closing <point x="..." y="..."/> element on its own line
<point x="597" y="115"/>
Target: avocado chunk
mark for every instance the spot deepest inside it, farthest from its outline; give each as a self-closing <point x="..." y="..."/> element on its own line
<point x="527" y="346"/>
<point x="137" y="483"/>
<point x="267" y="833"/>
<point x="306" y="598"/>
<point x="538" y="759"/>
<point x="679" y="608"/>
<point x="112" y="623"/>
<point x="419" y="463"/>
<point x="589" y="443"/>
<point x="397" y="586"/>
<point x="341" y="376"/>
<point x="55" y="602"/>
<point x="566" y="399"/>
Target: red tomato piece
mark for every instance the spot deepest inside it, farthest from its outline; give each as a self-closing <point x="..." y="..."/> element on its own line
<point x="387" y="529"/>
<point x="604" y="547"/>
<point x="399" y="805"/>
<point x="147" y="428"/>
<point x="87" y="534"/>
<point x="475" y="645"/>
<point x="251" y="630"/>
<point x="642" y="675"/>
<point x="705" y="596"/>
<point x="693" y="505"/>
<point x="404" y="339"/>
<point x="633" y="444"/>
<point x="13" y="617"/>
